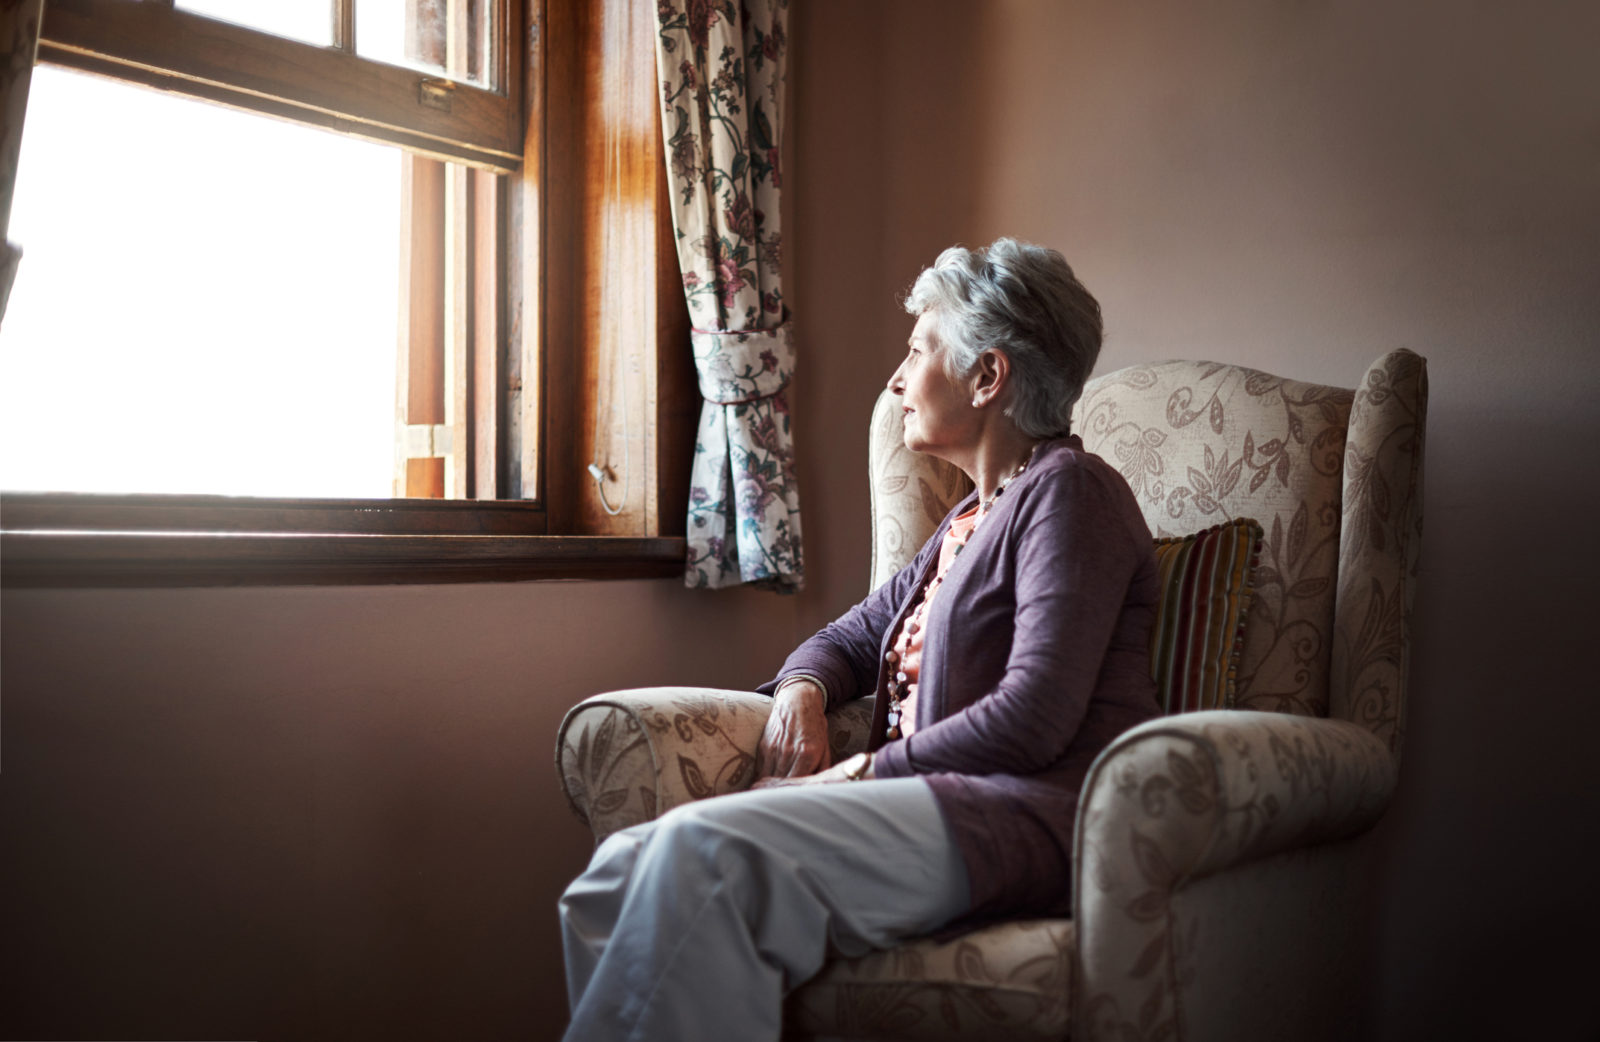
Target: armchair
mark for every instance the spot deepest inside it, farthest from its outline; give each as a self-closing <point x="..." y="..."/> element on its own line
<point x="1217" y="854"/>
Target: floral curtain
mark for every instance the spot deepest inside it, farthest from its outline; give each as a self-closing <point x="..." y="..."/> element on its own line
<point x="722" y="70"/>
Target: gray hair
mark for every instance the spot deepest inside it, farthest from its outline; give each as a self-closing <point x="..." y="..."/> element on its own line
<point x="1023" y="301"/>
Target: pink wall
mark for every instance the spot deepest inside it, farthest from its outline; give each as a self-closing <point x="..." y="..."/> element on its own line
<point x="291" y="812"/>
<point x="314" y="813"/>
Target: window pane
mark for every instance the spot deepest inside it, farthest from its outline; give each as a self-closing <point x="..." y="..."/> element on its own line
<point x="206" y="302"/>
<point x="450" y="37"/>
<point x="308" y="20"/>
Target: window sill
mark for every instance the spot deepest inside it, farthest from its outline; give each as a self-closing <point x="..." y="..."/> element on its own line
<point x="165" y="559"/>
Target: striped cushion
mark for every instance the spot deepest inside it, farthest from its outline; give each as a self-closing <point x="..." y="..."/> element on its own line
<point x="1205" y="592"/>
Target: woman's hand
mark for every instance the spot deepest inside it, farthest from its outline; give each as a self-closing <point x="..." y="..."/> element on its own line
<point x="795" y="742"/>
<point x="856" y="768"/>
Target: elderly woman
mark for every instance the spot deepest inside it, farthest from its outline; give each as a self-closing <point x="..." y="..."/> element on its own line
<point x="1004" y="657"/>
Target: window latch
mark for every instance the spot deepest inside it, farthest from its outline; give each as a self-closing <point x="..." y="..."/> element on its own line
<point x="435" y="93"/>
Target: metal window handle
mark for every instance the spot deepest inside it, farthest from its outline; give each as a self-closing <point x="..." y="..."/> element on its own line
<point x="435" y="93"/>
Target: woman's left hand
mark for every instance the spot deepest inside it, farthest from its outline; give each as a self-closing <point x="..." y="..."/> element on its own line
<point x="821" y="778"/>
<point x="843" y="771"/>
<point x="795" y="739"/>
<point x="783" y="783"/>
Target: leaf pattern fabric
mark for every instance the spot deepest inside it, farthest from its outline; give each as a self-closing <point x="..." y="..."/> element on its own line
<point x="722" y="73"/>
<point x="1180" y="799"/>
<point x="1381" y="546"/>
<point x="1010" y="981"/>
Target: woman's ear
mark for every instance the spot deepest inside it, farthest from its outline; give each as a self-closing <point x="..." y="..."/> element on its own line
<point x="990" y="377"/>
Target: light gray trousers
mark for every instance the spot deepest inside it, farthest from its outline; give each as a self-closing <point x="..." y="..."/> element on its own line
<point x="695" y="926"/>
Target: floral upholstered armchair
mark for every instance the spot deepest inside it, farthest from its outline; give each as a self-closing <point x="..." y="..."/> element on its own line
<point x="1218" y="854"/>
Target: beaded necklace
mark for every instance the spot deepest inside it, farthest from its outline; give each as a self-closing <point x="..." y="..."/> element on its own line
<point x="899" y="687"/>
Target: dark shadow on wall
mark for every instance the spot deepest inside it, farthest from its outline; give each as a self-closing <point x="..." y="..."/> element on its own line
<point x="1488" y="849"/>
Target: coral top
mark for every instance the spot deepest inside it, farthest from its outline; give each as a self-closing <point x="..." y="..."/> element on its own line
<point x="910" y="644"/>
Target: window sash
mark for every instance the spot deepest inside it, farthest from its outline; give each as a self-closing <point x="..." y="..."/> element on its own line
<point x="171" y="49"/>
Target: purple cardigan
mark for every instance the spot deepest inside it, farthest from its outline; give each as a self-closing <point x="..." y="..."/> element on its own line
<point x="1037" y="655"/>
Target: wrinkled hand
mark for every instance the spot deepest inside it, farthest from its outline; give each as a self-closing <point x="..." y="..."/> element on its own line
<point x="795" y="742"/>
<point x="839" y="772"/>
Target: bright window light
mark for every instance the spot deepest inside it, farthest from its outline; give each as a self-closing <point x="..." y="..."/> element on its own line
<point x="206" y="301"/>
<point x="308" y="20"/>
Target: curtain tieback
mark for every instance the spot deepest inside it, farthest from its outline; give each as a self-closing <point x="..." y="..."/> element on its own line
<point x="742" y="365"/>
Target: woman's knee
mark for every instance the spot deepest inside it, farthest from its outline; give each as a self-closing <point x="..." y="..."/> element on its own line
<point x="610" y="867"/>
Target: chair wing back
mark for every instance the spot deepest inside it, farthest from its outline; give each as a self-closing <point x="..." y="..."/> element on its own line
<point x="911" y="493"/>
<point x="1379" y="546"/>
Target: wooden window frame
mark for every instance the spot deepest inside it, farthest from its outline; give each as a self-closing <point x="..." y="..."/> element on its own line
<point x="560" y="327"/>
<point x="156" y="44"/>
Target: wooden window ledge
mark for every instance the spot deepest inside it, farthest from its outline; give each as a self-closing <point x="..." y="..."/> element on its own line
<point x="59" y="558"/>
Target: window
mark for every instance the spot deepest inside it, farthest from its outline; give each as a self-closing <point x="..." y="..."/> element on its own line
<point x="534" y="291"/>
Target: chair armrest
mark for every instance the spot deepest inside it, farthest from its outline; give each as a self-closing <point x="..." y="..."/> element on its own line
<point x="626" y="756"/>
<point x="1181" y="798"/>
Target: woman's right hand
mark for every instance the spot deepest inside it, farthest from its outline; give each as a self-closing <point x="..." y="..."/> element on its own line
<point x="795" y="742"/>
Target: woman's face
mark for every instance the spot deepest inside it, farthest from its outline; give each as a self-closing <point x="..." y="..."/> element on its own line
<point x="939" y="416"/>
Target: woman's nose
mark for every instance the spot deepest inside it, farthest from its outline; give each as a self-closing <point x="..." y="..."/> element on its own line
<point x="897" y="383"/>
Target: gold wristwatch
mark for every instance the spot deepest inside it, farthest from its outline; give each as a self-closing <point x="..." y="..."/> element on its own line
<point x="861" y="771"/>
